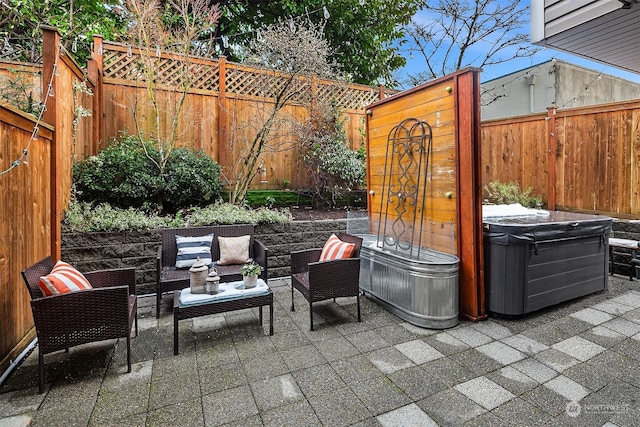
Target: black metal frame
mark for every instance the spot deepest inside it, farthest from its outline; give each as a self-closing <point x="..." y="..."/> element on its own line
<point x="408" y="149"/>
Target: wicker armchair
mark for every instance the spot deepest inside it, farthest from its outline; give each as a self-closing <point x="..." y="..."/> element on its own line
<point x="105" y="312"/>
<point x="168" y="278"/>
<point x="318" y="281"/>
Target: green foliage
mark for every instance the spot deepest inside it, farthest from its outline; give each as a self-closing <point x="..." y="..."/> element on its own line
<point x="77" y="22"/>
<point x="84" y="216"/>
<point x="363" y="37"/>
<point x="332" y="167"/>
<point x="121" y="174"/>
<point x="507" y="193"/>
<point x="124" y="176"/>
<point x="17" y="89"/>
<point x="225" y="213"/>
<point x="335" y="158"/>
<point x="271" y="198"/>
<point x="251" y="269"/>
<point x="190" y="178"/>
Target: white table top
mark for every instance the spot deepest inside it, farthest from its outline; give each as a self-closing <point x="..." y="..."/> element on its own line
<point x="227" y="291"/>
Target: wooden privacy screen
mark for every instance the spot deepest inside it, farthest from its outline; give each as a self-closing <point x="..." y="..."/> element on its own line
<point x="452" y="221"/>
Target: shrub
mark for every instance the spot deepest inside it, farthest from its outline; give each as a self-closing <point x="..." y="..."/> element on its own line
<point x="190" y="179"/>
<point x="507" y="193"/>
<point x="226" y="213"/>
<point x="120" y="175"/>
<point x="124" y="175"/>
<point x="332" y="167"/>
<point x="83" y="216"/>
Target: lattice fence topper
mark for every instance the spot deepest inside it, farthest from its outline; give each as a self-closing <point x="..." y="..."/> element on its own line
<point x="18" y="53"/>
<point x="262" y="83"/>
<point x="123" y="63"/>
<point x="348" y="97"/>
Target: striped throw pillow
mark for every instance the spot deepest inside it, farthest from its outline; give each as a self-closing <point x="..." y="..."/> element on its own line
<point x="192" y="248"/>
<point x="63" y="279"/>
<point x="336" y="249"/>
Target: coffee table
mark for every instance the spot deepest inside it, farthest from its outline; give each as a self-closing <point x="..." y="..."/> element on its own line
<point x="232" y="296"/>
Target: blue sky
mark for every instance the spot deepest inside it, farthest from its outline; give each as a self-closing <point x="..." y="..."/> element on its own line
<point x="417" y="63"/>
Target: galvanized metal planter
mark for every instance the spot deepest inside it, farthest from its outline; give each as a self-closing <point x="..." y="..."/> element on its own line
<point x="422" y="289"/>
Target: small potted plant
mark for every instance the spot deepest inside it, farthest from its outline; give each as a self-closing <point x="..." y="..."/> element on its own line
<point x="250" y="272"/>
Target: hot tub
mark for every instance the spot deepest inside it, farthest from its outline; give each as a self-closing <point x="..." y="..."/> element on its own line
<point x="421" y="289"/>
<point x="538" y="260"/>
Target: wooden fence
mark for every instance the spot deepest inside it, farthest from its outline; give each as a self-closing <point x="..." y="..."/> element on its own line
<point x="34" y="194"/>
<point x="25" y="228"/>
<point x="585" y="158"/>
<point x="225" y="107"/>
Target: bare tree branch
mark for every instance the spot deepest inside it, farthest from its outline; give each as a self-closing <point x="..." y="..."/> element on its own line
<point x="462" y="33"/>
<point x="290" y="53"/>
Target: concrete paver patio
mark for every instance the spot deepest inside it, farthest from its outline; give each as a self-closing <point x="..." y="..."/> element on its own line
<point x="577" y="363"/>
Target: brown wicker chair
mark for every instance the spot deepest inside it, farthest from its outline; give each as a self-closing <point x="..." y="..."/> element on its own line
<point x="105" y="312"/>
<point x="318" y="281"/>
<point x="168" y="278"/>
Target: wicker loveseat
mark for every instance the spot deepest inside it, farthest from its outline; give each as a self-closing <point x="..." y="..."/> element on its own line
<point x="105" y="312"/>
<point x="169" y="278"/>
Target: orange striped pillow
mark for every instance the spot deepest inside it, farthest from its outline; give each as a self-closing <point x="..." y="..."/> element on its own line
<point x="336" y="249"/>
<point x="62" y="280"/>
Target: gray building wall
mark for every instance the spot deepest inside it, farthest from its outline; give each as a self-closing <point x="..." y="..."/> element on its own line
<point x="534" y="89"/>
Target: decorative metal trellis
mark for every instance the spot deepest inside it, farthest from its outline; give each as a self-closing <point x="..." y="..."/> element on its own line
<point x="404" y="186"/>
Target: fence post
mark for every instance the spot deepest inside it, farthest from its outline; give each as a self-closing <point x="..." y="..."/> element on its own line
<point x="95" y="68"/>
<point x="551" y="158"/>
<point x="51" y="47"/>
<point x="381" y="92"/>
<point x="223" y="137"/>
<point x="469" y="194"/>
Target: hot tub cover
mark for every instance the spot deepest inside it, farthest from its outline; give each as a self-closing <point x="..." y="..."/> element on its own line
<point x="557" y="225"/>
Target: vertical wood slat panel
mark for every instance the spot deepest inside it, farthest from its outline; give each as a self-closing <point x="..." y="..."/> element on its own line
<point x="25" y="226"/>
<point x="204" y="125"/>
<point x="28" y="75"/>
<point x="515" y="151"/>
<point x="595" y="154"/>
